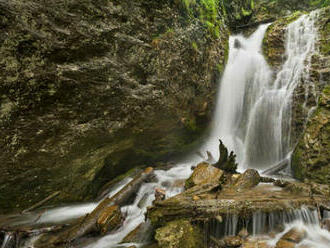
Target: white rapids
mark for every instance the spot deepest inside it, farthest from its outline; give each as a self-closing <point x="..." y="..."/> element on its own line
<point x="252" y="117"/>
<point x="316" y="237"/>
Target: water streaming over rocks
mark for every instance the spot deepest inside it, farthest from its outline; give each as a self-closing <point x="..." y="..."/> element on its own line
<point x="253" y="114"/>
<point x="252" y="117"/>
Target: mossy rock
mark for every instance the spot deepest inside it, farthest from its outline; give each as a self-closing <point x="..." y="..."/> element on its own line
<point x="179" y="234"/>
<point x="204" y="173"/>
<point x="310" y="159"/>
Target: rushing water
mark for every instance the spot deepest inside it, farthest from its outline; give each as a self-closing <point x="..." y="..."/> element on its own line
<point x="253" y="114"/>
<point x="252" y="117"/>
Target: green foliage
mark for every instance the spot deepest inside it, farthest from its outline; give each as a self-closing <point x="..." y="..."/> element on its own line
<point x="209" y="15"/>
<point x="194" y="46"/>
<point x="207" y="12"/>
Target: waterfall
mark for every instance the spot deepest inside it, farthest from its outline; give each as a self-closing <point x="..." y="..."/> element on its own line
<point x="252" y="117"/>
<point x="254" y="107"/>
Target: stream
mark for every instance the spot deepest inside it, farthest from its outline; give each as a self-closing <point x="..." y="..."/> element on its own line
<point x="252" y="118"/>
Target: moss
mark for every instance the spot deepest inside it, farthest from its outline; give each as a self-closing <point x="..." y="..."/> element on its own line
<point x="194" y="46"/>
<point x="273" y="42"/>
<point x="179" y="234"/>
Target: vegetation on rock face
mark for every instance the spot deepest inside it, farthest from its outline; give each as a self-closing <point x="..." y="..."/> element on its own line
<point x="273" y="9"/>
<point x="311" y="158"/>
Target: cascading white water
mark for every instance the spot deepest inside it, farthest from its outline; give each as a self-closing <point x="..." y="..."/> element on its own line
<point x="252" y="117"/>
<point x="253" y="113"/>
<point x="315" y="236"/>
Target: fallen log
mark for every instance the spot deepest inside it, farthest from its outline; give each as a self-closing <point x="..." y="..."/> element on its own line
<point x="39" y="204"/>
<point x="276" y="168"/>
<point x="88" y="223"/>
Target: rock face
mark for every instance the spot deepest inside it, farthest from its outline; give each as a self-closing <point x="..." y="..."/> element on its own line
<point x="179" y="234"/>
<point x="90" y="89"/>
<point x="311" y="158"/>
<point x="311" y="139"/>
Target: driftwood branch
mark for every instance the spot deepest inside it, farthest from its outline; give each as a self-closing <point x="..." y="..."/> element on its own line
<point x="277" y="168"/>
<point x="39" y="204"/>
<point x="88" y="223"/>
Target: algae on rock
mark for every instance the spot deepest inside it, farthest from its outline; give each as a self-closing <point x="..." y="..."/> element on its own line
<point x="179" y="234"/>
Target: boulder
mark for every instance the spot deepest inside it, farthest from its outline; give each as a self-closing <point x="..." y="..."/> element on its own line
<point x="179" y="234"/>
<point x="285" y="244"/>
<point x="243" y="233"/>
<point x="326" y="224"/>
<point x="295" y="235"/>
<point x="291" y="238"/>
<point x="255" y="244"/>
<point x="232" y="241"/>
<point x="110" y="219"/>
<point x="203" y="174"/>
<point x="160" y="194"/>
<point x="141" y="234"/>
<point x="249" y="179"/>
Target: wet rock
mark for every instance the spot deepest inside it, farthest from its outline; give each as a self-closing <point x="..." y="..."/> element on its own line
<point x="179" y="183"/>
<point x="143" y="201"/>
<point x="243" y="233"/>
<point x="306" y="188"/>
<point x="310" y="159"/>
<point x="320" y="189"/>
<point x="219" y="218"/>
<point x="255" y="244"/>
<point x="326" y="224"/>
<point x="234" y="178"/>
<point x="285" y="244"/>
<point x="227" y="242"/>
<point x="233" y="241"/>
<point x="206" y="201"/>
<point x="196" y="198"/>
<point x="237" y="44"/>
<point x="141" y="234"/>
<point x="160" y="194"/>
<point x="179" y="234"/>
<point x="295" y="235"/>
<point x="203" y="174"/>
<point x="110" y="219"/>
<point x="249" y="179"/>
<point x="291" y="238"/>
